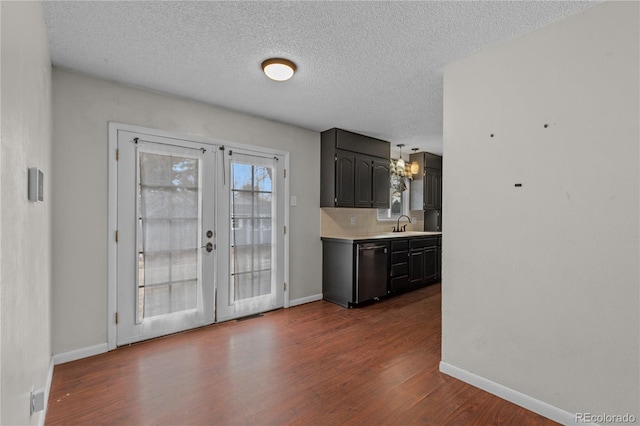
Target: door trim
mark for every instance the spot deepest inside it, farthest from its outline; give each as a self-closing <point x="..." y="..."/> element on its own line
<point x="112" y="208"/>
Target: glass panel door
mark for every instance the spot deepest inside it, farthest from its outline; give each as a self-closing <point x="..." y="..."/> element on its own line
<point x="256" y="237"/>
<point x="251" y="226"/>
<point x="169" y="219"/>
<point x="166" y="236"/>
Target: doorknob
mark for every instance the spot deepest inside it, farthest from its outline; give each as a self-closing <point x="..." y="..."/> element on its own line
<point x="208" y="247"/>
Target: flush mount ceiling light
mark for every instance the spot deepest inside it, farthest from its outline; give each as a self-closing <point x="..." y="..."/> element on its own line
<point x="278" y="69"/>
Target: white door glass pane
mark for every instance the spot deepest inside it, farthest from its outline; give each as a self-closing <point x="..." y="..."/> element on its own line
<point x="183" y="296"/>
<point x="169" y="215"/>
<point x="262" y="283"/>
<point x="156" y="300"/>
<point x="262" y="257"/>
<point x="156" y="169"/>
<point x="156" y="234"/>
<point x="185" y="172"/>
<point x="154" y="202"/>
<point x="251" y="231"/>
<point x="262" y="179"/>
<point x="262" y="203"/>
<point x="156" y="269"/>
<point x="184" y="203"/>
<point x="242" y="204"/>
<point x="262" y="231"/>
<point x="242" y="256"/>
<point x="184" y="265"/>
<point x="184" y="234"/>
<point x="242" y="177"/>
<point x="243" y="286"/>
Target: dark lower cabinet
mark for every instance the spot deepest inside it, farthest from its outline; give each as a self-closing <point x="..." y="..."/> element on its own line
<point x="399" y="265"/>
<point x="354" y="272"/>
<point x="424" y="261"/>
<point x="357" y="271"/>
<point x="430" y="272"/>
<point x="416" y="267"/>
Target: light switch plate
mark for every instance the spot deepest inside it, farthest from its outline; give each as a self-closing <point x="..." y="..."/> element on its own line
<point x="294" y="201"/>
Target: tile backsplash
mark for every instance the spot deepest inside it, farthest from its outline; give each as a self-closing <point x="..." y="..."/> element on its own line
<point x="337" y="222"/>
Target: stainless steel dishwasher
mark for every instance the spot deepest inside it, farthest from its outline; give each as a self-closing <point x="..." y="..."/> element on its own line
<point x="371" y="271"/>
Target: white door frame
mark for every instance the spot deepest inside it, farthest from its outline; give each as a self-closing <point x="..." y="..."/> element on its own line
<point x="112" y="207"/>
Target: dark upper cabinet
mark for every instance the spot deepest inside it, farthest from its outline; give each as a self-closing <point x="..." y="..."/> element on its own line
<point x="363" y="179"/>
<point x="432" y="189"/>
<point x="344" y="173"/>
<point x="426" y="189"/>
<point x="380" y="184"/>
<point x="354" y="170"/>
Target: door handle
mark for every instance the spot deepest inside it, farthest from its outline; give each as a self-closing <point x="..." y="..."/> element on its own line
<point x="208" y="247"/>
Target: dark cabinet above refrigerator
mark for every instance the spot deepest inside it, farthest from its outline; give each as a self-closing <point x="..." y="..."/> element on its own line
<point x="354" y="170"/>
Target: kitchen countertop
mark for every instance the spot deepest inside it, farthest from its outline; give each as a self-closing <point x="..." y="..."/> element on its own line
<point x="379" y="236"/>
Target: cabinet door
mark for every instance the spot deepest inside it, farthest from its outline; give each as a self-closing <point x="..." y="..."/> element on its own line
<point x="363" y="179"/>
<point x="416" y="266"/>
<point x="381" y="184"/>
<point x="430" y="196"/>
<point x="399" y="271"/>
<point x="345" y="172"/>
<point x="437" y="183"/>
<point x="430" y="258"/>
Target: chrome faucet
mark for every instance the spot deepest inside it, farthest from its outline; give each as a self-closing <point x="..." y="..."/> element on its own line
<point x="404" y="228"/>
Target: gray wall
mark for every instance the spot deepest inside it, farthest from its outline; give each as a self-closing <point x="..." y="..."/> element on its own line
<point x="25" y="227"/>
<point x="540" y="283"/>
<point x="82" y="107"/>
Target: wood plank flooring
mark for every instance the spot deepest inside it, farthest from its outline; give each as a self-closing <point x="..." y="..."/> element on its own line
<point x="314" y="364"/>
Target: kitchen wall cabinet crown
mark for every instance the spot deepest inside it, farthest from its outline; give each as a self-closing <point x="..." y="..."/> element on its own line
<point x="354" y="170"/>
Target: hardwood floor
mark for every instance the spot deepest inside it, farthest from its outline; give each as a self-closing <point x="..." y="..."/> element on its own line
<point x="314" y="364"/>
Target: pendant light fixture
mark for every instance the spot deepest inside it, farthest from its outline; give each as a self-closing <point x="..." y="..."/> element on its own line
<point x="415" y="166"/>
<point x="279" y="69"/>
<point x="400" y="162"/>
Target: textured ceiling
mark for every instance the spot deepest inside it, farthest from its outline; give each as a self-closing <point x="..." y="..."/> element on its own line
<point x="369" y="67"/>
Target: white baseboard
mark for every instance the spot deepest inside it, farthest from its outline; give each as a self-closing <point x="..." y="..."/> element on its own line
<point x="518" y="398"/>
<point x="80" y="353"/>
<point x="304" y="300"/>
<point x="47" y="389"/>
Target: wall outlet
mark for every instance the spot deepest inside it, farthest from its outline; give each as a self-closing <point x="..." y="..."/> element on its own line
<point x="353" y="220"/>
<point x="37" y="400"/>
<point x="414" y="219"/>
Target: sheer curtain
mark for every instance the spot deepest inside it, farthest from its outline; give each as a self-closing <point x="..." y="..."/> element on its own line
<point x="252" y="209"/>
<point x="168" y="229"/>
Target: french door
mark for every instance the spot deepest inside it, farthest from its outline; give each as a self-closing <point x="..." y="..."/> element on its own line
<point x="166" y="261"/>
<point x="253" y="212"/>
<point x="200" y="234"/>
